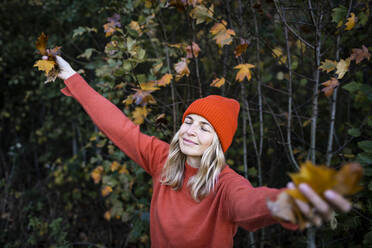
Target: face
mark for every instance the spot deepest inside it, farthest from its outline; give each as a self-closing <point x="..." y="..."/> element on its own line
<point x="195" y="136"/>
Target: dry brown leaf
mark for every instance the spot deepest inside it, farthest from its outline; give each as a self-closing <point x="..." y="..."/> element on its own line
<point x="348" y="179"/>
<point x="194" y="51"/>
<point x="241" y="48"/>
<point x="41" y="43"/>
<point x="182" y="69"/>
<point x="330" y="85"/>
<point x="359" y="54"/>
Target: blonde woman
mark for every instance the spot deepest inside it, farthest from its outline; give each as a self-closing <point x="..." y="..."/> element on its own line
<point x="197" y="201"/>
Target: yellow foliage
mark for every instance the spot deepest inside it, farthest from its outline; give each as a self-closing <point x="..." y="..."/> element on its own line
<point x="106" y="191"/>
<point x="97" y="174"/>
<point x="114" y="166"/>
<point x="244" y="71"/>
<point x="350" y="22"/>
<point x="221" y="34"/>
<point x="218" y="82"/>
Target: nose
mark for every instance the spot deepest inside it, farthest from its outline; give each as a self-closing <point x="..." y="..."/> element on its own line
<point x="191" y="130"/>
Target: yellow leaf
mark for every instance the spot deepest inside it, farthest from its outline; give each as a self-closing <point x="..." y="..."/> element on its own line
<point x="106" y="191"/>
<point x="350" y="22"/>
<point x="218" y="82"/>
<point x="107" y="215"/>
<point x="221" y="34"/>
<point x="330" y="85"/>
<point x="342" y="67"/>
<point x="278" y="53"/>
<point x="149" y="86"/>
<point x="135" y="26"/>
<point x="328" y="65"/>
<point x="124" y="170"/>
<point x="129" y="100"/>
<point x="114" y="166"/>
<point x="45" y="65"/>
<point x="244" y="71"/>
<point x="165" y="80"/>
<point x="97" y="174"/>
<point x="41" y="44"/>
<point x="139" y="114"/>
<point x="182" y="69"/>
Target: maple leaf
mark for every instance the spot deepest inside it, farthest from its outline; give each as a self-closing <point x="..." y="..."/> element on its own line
<point x="221" y="34"/>
<point x="330" y="85"/>
<point x="182" y="69"/>
<point x="359" y="54"/>
<point x="328" y="65"/>
<point x="96" y="174"/>
<point x="218" y="82"/>
<point x="348" y="179"/>
<point x="143" y="97"/>
<point x="241" y="48"/>
<point x="342" y="67"/>
<point x="139" y="114"/>
<point x="194" y="50"/>
<point x="106" y="191"/>
<point x="41" y="43"/>
<point x="165" y="80"/>
<point x="350" y="22"/>
<point x="202" y="14"/>
<point x="45" y="65"/>
<point x="244" y="71"/>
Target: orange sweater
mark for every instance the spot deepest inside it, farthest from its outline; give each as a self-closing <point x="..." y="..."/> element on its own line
<point x="176" y="220"/>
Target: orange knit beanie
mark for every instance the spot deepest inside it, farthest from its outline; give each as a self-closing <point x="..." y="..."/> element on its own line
<point x="221" y="112"/>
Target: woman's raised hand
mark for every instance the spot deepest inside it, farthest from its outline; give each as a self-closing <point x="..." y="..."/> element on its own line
<point x="65" y="68"/>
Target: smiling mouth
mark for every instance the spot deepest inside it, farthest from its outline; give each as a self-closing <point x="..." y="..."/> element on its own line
<point x="188" y="142"/>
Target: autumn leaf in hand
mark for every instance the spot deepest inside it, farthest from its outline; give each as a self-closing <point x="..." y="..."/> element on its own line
<point x="221" y="34"/>
<point x="244" y="72"/>
<point x="330" y="85"/>
<point x="48" y="63"/>
<point x="359" y="54"/>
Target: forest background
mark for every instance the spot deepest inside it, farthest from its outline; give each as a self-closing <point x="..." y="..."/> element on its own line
<point x="300" y="69"/>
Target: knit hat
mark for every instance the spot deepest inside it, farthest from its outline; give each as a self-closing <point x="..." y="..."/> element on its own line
<point x="221" y="112"/>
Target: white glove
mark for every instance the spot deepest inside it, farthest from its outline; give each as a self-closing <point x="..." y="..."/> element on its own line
<point x="66" y="70"/>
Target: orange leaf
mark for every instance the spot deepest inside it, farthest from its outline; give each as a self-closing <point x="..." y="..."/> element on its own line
<point x="114" y="166"/>
<point x="41" y="43"/>
<point x="348" y="179"/>
<point x="221" y="34"/>
<point x="359" y="54"/>
<point x="124" y="170"/>
<point x="106" y="191"/>
<point x="107" y="215"/>
<point x="330" y="85"/>
<point x="45" y="65"/>
<point x="195" y="50"/>
<point x="96" y="174"/>
<point x="218" y="82"/>
<point x="165" y="80"/>
<point x="244" y="71"/>
<point x="241" y="48"/>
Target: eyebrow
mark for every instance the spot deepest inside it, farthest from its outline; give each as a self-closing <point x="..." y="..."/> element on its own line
<point x="202" y="122"/>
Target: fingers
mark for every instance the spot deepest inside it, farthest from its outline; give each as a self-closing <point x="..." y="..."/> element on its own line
<point x="337" y="201"/>
<point x="321" y="206"/>
<point x="309" y="213"/>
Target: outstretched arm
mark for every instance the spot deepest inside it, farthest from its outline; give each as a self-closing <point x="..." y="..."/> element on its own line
<point x="146" y="151"/>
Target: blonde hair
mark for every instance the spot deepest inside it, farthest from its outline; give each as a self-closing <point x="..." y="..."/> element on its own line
<point x="204" y="181"/>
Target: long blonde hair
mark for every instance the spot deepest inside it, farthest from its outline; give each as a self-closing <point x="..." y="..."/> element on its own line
<point x="204" y="181"/>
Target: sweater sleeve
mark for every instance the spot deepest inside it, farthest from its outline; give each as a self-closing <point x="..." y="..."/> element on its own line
<point x="147" y="151"/>
<point x="246" y="205"/>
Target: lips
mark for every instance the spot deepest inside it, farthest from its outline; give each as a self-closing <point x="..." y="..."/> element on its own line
<point x="188" y="142"/>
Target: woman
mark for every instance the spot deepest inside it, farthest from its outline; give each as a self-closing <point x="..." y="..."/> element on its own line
<point x="197" y="201"/>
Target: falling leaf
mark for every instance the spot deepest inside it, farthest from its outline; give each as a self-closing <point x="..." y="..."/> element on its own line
<point x="139" y="114"/>
<point x="194" y="51"/>
<point x="106" y="191"/>
<point x="330" y="85"/>
<point x="182" y="69"/>
<point x="221" y="34"/>
<point x="45" y="65"/>
<point x="359" y="54"/>
<point x="328" y="65"/>
<point x="165" y="80"/>
<point x="278" y="53"/>
<point x="97" y="174"/>
<point x="350" y="22"/>
<point x="114" y="166"/>
<point x="244" y="71"/>
<point x="41" y="43"/>
<point x="218" y="82"/>
<point x="241" y="48"/>
<point x="202" y="14"/>
<point x="342" y="67"/>
<point x="107" y="215"/>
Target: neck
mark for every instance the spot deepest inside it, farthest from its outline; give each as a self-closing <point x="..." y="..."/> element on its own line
<point x="193" y="161"/>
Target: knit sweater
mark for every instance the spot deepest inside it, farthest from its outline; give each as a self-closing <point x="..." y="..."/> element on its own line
<point x="176" y="220"/>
